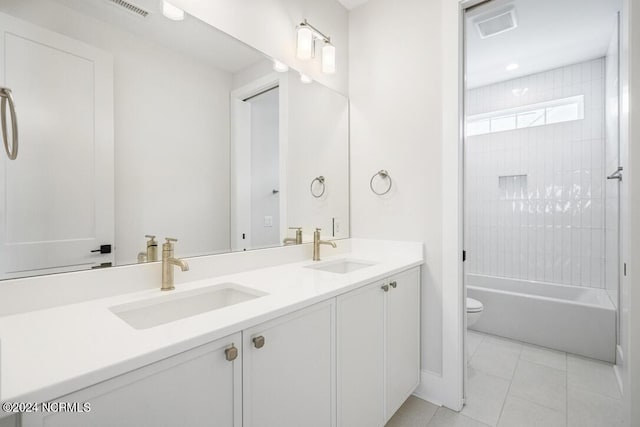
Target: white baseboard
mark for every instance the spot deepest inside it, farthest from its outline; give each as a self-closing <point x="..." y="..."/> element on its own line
<point x="433" y="388"/>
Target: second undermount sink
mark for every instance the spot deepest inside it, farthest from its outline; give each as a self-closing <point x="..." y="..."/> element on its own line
<point x="341" y="266"/>
<point x="168" y="308"/>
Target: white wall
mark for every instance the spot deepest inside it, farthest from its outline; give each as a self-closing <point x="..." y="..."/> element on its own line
<point x="318" y="145"/>
<point x="265" y="171"/>
<point x="270" y="26"/>
<point x="400" y="118"/>
<point x="252" y="73"/>
<point x="161" y="165"/>
<point x="172" y="152"/>
<point x="535" y="196"/>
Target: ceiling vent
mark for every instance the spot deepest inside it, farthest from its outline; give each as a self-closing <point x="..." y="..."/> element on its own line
<point x="132" y="8"/>
<point x="496" y="22"/>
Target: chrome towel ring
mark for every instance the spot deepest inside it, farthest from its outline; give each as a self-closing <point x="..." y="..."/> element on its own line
<point x="5" y="94"/>
<point x="384" y="175"/>
<point x="321" y="182"/>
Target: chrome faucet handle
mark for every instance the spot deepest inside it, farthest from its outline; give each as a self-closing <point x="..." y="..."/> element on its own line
<point x="170" y="239"/>
<point x="318" y="229"/>
<point x="149" y="236"/>
<point x="295" y="228"/>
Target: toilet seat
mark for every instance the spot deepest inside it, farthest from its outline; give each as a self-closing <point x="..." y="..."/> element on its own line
<point x="474" y="306"/>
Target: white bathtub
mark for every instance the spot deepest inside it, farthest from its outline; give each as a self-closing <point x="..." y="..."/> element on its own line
<point x="568" y="318"/>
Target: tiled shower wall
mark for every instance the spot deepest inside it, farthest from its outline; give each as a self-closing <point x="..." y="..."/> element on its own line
<point x="535" y="196"/>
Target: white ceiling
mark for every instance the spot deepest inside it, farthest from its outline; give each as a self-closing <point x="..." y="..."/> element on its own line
<point x="550" y="34"/>
<point x="192" y="37"/>
<point x="351" y="4"/>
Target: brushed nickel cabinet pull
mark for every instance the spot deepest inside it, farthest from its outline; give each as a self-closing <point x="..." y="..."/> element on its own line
<point x="231" y="353"/>
<point x="385" y="288"/>
<point x="258" y="342"/>
<point x="394" y="284"/>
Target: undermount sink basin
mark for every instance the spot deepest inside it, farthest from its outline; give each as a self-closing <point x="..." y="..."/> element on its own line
<point x="341" y="266"/>
<point x="164" y="309"/>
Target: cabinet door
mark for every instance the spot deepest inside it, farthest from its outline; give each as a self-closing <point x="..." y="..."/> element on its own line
<point x="289" y="370"/>
<point x="402" y="347"/>
<point x="196" y="388"/>
<point x="360" y="357"/>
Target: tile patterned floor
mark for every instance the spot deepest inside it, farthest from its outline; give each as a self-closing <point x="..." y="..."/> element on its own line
<point x="513" y="384"/>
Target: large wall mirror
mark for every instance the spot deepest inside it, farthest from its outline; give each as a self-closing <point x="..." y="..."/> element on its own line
<point x="133" y="124"/>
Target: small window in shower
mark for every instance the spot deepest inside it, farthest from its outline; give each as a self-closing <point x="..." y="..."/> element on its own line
<point x="540" y="114"/>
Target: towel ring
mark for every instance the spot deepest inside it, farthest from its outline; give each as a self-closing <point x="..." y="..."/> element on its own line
<point x="5" y="94"/>
<point x="320" y="180"/>
<point x="382" y="174"/>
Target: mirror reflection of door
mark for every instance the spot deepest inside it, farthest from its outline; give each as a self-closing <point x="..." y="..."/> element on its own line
<point x="256" y="147"/>
<point x="56" y="203"/>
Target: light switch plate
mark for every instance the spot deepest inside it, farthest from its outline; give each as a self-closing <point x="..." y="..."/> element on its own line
<point x="268" y="221"/>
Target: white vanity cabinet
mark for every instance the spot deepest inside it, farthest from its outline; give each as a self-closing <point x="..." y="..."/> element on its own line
<point x="199" y="387"/>
<point x="348" y="361"/>
<point x="289" y="370"/>
<point x="378" y="349"/>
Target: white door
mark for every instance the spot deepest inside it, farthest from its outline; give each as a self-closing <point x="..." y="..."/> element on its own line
<point x="200" y="387"/>
<point x="360" y="360"/>
<point x="402" y="356"/>
<point x="265" y="169"/>
<point x="288" y="370"/>
<point x="56" y="198"/>
<point x="240" y="175"/>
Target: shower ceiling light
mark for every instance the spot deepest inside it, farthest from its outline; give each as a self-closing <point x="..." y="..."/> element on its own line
<point x="172" y="12"/>
<point x="307" y="35"/>
<point x="512" y="67"/>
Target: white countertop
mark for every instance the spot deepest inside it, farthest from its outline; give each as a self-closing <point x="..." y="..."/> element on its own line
<point x="48" y="353"/>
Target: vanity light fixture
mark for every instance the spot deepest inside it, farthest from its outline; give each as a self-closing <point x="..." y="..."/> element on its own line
<point x="307" y="35"/>
<point x="280" y="67"/>
<point x="172" y="12"/>
<point x="328" y="58"/>
<point x="306" y="46"/>
<point x="305" y="79"/>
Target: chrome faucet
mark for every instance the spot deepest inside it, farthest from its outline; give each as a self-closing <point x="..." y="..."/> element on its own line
<point x="317" y="242"/>
<point x="151" y="255"/>
<point x="294" y="241"/>
<point x="168" y="263"/>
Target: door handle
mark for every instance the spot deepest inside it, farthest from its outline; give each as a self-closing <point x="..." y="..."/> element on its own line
<point x="104" y="249"/>
<point x="617" y="174"/>
<point x="5" y="95"/>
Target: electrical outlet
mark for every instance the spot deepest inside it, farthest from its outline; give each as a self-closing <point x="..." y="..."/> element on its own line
<point x="268" y="221"/>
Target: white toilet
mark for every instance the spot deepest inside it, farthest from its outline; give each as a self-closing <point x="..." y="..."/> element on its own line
<point x="474" y="311"/>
